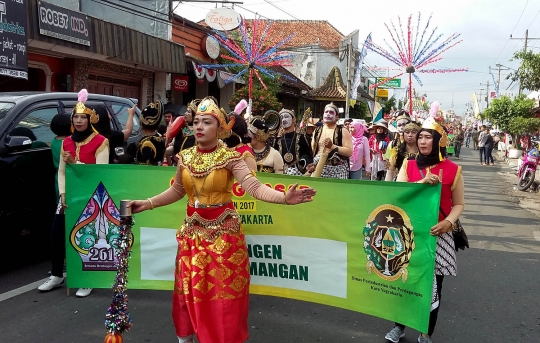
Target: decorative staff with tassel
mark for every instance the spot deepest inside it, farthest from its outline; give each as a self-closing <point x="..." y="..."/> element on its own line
<point x="118" y="320"/>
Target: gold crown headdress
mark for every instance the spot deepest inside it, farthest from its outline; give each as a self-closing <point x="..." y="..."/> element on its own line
<point x="334" y="107"/>
<point x="290" y="112"/>
<point x="208" y="106"/>
<point x="411" y="126"/>
<point x="431" y="124"/>
<point x="193" y="105"/>
<point x="80" y="108"/>
<point x="403" y="115"/>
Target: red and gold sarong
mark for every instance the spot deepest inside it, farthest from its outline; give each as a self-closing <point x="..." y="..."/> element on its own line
<point x="211" y="290"/>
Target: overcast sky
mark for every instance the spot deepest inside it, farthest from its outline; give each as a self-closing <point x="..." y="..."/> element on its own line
<point x="485" y="27"/>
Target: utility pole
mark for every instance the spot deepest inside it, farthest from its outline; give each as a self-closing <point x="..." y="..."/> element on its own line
<point x="524" y="49"/>
<point x="348" y="95"/>
<point x="487" y="93"/>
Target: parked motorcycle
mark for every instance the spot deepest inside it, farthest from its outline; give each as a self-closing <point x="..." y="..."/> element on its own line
<point x="527" y="169"/>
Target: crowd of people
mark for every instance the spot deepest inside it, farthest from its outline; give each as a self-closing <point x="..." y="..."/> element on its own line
<point x="205" y="142"/>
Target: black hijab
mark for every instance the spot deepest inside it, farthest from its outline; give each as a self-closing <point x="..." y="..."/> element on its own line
<point x="381" y="136"/>
<point x="423" y="161"/>
<point x="79" y="136"/>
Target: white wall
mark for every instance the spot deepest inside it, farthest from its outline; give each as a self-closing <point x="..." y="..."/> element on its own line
<point x="304" y="66"/>
<point x="325" y="63"/>
<point x="225" y="95"/>
<point x="160" y="86"/>
<point x="312" y="66"/>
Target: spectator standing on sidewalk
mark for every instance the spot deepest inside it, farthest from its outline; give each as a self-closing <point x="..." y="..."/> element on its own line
<point x="468" y="134"/>
<point x="481" y="144"/>
<point x="474" y="135"/>
<point x="459" y="137"/>
<point x="488" y="148"/>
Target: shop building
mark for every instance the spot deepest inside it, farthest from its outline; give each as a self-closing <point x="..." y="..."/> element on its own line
<point x="197" y="82"/>
<point x="68" y="49"/>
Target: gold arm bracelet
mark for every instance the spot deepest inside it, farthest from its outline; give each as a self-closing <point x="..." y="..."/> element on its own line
<point x="285" y="198"/>
<point x="151" y="203"/>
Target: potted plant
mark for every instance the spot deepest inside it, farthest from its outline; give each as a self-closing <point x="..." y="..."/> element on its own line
<point x="515" y="151"/>
<point x="517" y="127"/>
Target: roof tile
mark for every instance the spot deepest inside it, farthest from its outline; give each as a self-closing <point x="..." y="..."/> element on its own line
<point x="332" y="87"/>
<point x="306" y="32"/>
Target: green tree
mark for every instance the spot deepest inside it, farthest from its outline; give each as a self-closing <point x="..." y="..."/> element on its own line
<point x="387" y="105"/>
<point x="262" y="100"/>
<point x="504" y="109"/>
<point x="528" y="74"/>
<point x="522" y="125"/>
<point x="359" y="111"/>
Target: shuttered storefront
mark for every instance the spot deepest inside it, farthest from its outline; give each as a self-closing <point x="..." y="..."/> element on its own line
<point x="114" y="84"/>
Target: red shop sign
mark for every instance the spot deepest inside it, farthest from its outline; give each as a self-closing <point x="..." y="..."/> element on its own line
<point x="180" y="83"/>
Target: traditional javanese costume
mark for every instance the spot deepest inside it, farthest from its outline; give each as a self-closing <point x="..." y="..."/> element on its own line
<point x="399" y="153"/>
<point x="211" y="289"/>
<point x="437" y="164"/>
<point x="186" y="139"/>
<point x="295" y="150"/>
<point x="268" y="160"/>
<point x="336" y="166"/>
<point x="88" y="147"/>
<point x="378" y="143"/>
<point x="239" y="135"/>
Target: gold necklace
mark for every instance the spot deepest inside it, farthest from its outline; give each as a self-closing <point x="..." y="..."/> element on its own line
<point x="197" y="203"/>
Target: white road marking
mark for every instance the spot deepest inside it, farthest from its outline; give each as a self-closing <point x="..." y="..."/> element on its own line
<point x="536" y="235"/>
<point x="21" y="290"/>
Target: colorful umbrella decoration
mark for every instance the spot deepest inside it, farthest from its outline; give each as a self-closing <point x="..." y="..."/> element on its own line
<point x="255" y="52"/>
<point x="413" y="54"/>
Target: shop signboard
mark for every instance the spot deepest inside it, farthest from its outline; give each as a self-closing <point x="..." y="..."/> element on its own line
<point x="210" y="47"/>
<point x="61" y="23"/>
<point x="181" y="83"/>
<point x="223" y="19"/>
<point x="394" y="83"/>
<point x="13" y="58"/>
<point x="382" y="93"/>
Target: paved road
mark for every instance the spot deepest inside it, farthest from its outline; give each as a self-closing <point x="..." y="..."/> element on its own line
<point x="495" y="297"/>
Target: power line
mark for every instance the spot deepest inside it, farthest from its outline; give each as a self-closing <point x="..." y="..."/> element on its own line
<point x="276" y="6"/>
<point x="520" y="16"/>
<point x="537" y="13"/>
<point x="131" y="10"/>
<point x="513" y="29"/>
<point x="144" y="8"/>
<point x="250" y="11"/>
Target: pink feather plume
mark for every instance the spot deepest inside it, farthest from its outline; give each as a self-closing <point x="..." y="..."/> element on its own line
<point x="83" y="95"/>
<point x="434" y="109"/>
<point x="240" y="106"/>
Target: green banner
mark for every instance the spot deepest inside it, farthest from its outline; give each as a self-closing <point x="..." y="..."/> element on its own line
<point x="393" y="83"/>
<point x="360" y="245"/>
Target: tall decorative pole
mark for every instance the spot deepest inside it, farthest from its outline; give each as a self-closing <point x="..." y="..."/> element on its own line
<point x="410" y="71"/>
<point x="412" y="52"/>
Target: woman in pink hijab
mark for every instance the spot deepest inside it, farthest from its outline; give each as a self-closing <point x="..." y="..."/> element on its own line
<point x="360" y="151"/>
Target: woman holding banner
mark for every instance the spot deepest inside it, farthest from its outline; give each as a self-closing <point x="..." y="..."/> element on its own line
<point x="211" y="293"/>
<point x="432" y="168"/>
<point x="84" y="146"/>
